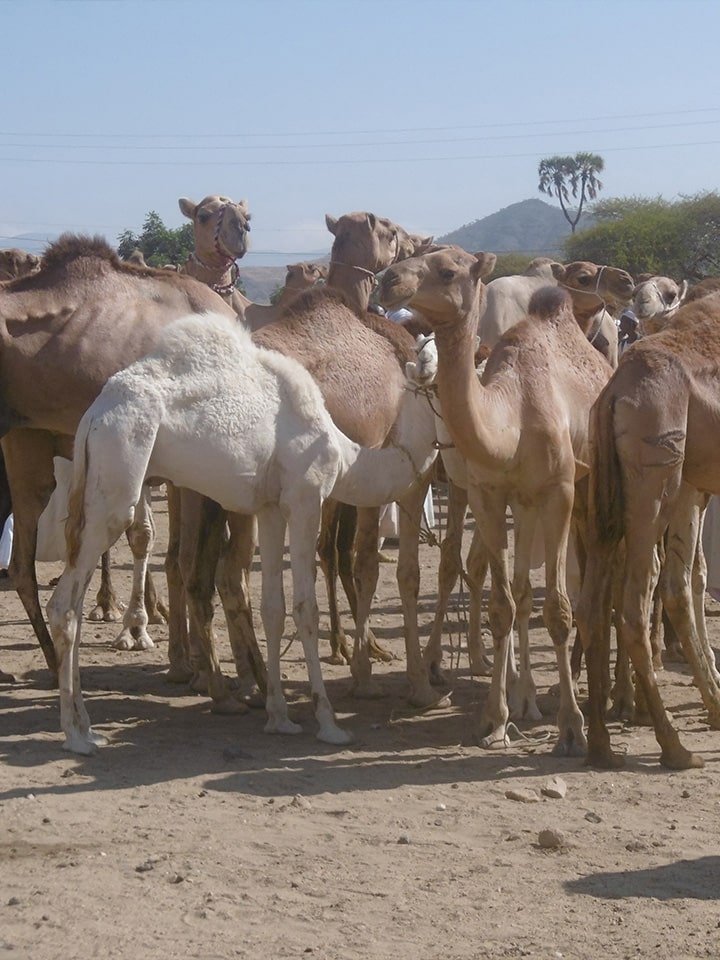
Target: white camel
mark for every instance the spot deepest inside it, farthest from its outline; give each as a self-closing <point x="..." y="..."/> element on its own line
<point x="210" y="411"/>
<point x="656" y="300"/>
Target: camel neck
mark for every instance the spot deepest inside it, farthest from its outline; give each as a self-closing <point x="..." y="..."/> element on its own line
<point x="354" y="283"/>
<point x="482" y="421"/>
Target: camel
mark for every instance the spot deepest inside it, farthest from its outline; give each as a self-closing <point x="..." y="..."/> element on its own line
<point x="247" y="427"/>
<point x="522" y="431"/>
<point x="588" y="285"/>
<point x="299" y="277"/>
<point x="653" y="462"/>
<point x="358" y="362"/>
<point x="701" y="289"/>
<point x="17" y="263"/>
<point x="63" y="332"/>
<point x="656" y="300"/>
<point x="594" y="288"/>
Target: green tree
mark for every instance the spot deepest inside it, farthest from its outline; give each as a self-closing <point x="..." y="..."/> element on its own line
<point x="577" y="176"/>
<point x="159" y="244"/>
<point x="679" y="239"/>
<point x="509" y="264"/>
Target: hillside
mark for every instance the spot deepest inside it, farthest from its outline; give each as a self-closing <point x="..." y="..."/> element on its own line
<point x="530" y="226"/>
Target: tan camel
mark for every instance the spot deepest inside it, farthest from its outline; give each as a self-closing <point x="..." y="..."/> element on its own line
<point x="299" y="277"/>
<point x="590" y="287"/>
<point x="656" y="300"/>
<point x="523" y="434"/>
<point x="358" y="361"/>
<point x="63" y="332"/>
<point x="17" y="263"/>
<point x="654" y="459"/>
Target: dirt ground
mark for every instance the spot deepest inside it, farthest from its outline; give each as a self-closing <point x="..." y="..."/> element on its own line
<point x="193" y="835"/>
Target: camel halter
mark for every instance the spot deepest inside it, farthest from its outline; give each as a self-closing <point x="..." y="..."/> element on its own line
<point x="669" y="310"/>
<point x="370" y="273"/>
<point x="223" y="289"/>
<point x="596" y="318"/>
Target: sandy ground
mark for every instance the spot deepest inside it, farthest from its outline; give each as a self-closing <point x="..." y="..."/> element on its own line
<point x="193" y="835"/>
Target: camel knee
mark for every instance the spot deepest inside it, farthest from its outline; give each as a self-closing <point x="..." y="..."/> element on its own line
<point x="557" y="616"/>
<point x="501" y="613"/>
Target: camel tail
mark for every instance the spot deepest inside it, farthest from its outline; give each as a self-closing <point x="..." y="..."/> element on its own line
<point x="607" y="502"/>
<point x="75" y="523"/>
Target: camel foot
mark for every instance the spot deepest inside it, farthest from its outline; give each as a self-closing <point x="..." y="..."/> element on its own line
<point x="7" y="677"/>
<point x="200" y="682"/>
<point x="674" y="653"/>
<point x="385" y="557"/>
<point x="331" y="733"/>
<point x="368" y="690"/>
<point x="379" y="653"/>
<point x="178" y="673"/>
<point x="252" y="696"/>
<point x="133" y="638"/>
<point x="481" y="666"/>
<point x="282" y="725"/>
<point x="106" y="613"/>
<point x="642" y="718"/>
<point x="622" y="708"/>
<point x="523" y="706"/>
<point x="425" y="698"/>
<point x="84" y="744"/>
<point x="158" y="613"/>
<point x="229" y="706"/>
<point x="713" y="720"/>
<point x="602" y="756"/>
<point x="570" y="743"/>
<point x="497" y="739"/>
<point x="336" y="659"/>
<point x="678" y="758"/>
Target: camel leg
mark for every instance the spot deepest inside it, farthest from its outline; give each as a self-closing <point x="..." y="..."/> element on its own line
<point x="408" y="575"/>
<point x="684" y="592"/>
<point x="107" y="608"/>
<point x="141" y="536"/>
<point x="642" y="518"/>
<point x="347" y="528"/>
<point x="365" y="575"/>
<point x="488" y="506"/>
<point x="156" y="610"/>
<point x="449" y="570"/>
<point x="521" y="696"/>
<point x="303" y="524"/>
<point x="180" y="670"/>
<point x="233" y="583"/>
<point x="477" y="566"/>
<point x="271" y="541"/>
<point x="198" y="571"/>
<point x="557" y="614"/>
<point x="29" y="463"/>
<point x="593" y="616"/>
<point x="328" y="552"/>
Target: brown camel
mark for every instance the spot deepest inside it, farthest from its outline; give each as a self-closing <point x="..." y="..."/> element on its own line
<point x="523" y="433"/>
<point x="654" y="460"/>
<point x="63" y="332"/>
<point x="299" y="277"/>
<point x="358" y="361"/>
<point x="17" y="263"/>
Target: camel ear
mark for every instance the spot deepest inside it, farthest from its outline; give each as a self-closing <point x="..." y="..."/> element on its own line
<point x="187" y="208"/>
<point x="683" y="291"/>
<point x="331" y="223"/>
<point x="558" y="271"/>
<point x="485" y="264"/>
<point x="372" y="220"/>
<point x="423" y="245"/>
<point x="642" y="278"/>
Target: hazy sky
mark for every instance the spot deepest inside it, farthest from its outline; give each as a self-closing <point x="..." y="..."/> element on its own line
<point x="432" y="113"/>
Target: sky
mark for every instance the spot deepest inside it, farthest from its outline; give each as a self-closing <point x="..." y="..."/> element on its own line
<point x="431" y="113"/>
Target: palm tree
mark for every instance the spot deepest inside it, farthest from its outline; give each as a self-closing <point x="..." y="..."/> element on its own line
<point x="562" y="177"/>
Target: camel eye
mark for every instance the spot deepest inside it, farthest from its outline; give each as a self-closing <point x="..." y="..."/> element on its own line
<point x="669" y="296"/>
<point x="584" y="279"/>
<point x="204" y="216"/>
<point x="447" y="274"/>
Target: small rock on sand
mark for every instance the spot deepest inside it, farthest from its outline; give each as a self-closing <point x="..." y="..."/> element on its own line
<point x="555" y="788"/>
<point x="550" y="839"/>
<point x="522" y="796"/>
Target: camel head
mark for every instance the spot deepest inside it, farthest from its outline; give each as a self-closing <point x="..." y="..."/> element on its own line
<point x="443" y="285"/>
<point x="221" y="228"/>
<point x="590" y="284"/>
<point x="541" y="267"/>
<point x="371" y="243"/>
<point x="300" y="276"/>
<point x="16" y="263"/>
<point x="655" y="301"/>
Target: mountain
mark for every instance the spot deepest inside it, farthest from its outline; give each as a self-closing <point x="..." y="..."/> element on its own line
<point x="31" y="242"/>
<point x="530" y="226"/>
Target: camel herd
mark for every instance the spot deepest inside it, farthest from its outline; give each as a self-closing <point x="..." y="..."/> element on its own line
<point x="304" y="418"/>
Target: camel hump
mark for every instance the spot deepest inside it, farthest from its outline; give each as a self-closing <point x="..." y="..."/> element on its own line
<point x="548" y="302"/>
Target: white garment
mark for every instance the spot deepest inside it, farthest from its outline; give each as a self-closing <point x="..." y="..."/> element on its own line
<point x="389" y="528"/>
<point x="6" y="543"/>
<point x="711" y="547"/>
